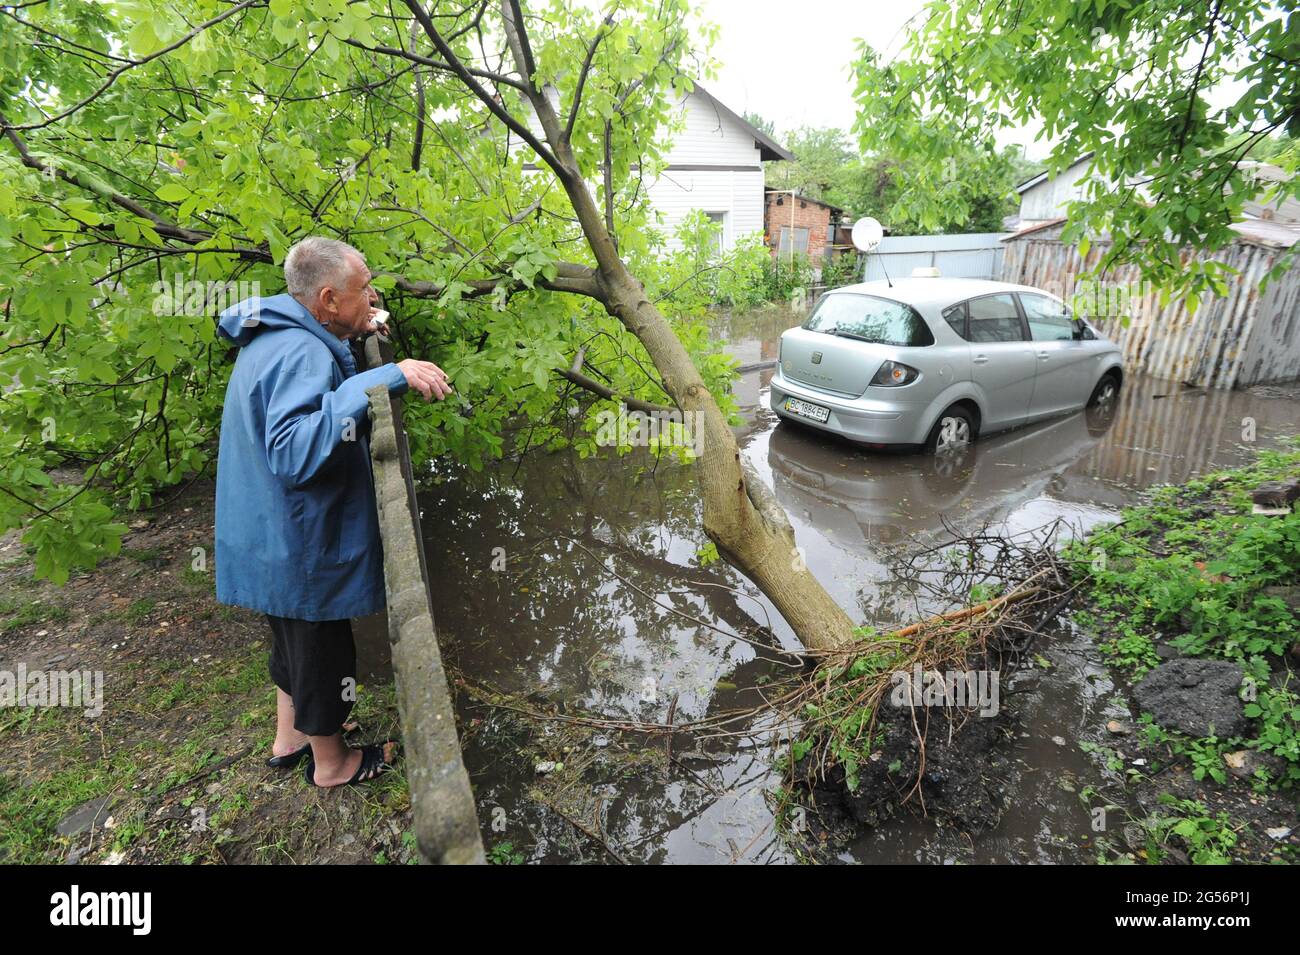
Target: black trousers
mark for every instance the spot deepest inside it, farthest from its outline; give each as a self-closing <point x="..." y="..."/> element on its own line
<point x="315" y="662"/>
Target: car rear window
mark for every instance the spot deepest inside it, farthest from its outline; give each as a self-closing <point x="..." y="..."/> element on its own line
<point x="871" y="319"/>
<point x="956" y="318"/>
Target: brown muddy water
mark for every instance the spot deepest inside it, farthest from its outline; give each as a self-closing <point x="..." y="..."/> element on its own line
<point x="596" y="552"/>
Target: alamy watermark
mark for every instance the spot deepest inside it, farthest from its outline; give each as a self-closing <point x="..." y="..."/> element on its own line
<point x="75" y="688"/>
<point x="76" y="907"/>
<point x="1109" y="300"/>
<point x="963" y="688"/>
<point x="194" y="298"/>
<point x="664" y="430"/>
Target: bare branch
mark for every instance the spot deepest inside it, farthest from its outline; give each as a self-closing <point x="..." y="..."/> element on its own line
<point x="595" y="387"/>
<point x="569" y="277"/>
<point x="491" y="102"/>
<point x="582" y="76"/>
<point x="438" y="64"/>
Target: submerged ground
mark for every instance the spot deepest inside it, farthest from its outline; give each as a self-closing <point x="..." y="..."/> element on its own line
<point x="582" y="591"/>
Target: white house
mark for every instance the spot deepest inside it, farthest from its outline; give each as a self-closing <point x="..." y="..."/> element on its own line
<point x="1044" y="198"/>
<point x="714" y="164"/>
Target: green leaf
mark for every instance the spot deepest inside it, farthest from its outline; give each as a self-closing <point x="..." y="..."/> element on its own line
<point x="172" y="192"/>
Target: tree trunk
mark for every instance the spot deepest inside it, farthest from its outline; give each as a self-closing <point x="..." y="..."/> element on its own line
<point x="741" y="514"/>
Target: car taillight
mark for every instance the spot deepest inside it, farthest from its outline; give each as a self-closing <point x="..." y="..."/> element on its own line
<point x="894" y="373"/>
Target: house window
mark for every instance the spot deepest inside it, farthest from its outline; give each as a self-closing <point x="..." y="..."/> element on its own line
<point x="719" y="237"/>
<point x="800" y="239"/>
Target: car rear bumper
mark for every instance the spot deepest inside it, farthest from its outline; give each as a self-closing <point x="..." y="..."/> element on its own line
<point x="869" y="420"/>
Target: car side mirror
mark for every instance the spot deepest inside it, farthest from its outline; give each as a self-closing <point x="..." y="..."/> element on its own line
<point x="1078" y="330"/>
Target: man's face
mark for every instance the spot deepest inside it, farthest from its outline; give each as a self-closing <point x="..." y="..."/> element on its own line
<point x="347" y="309"/>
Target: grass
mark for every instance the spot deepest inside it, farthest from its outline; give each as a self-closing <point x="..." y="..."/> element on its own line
<point x="139" y="611"/>
<point x="156" y="744"/>
<point x="29" y="814"/>
<point x="199" y="579"/>
<point x="142" y="555"/>
<point x="1193" y="568"/>
<point x="28" y="613"/>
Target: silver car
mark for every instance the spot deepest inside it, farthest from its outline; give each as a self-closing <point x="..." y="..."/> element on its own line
<point x="935" y="361"/>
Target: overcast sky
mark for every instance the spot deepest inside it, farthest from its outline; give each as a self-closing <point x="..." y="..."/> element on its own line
<point x="789" y="61"/>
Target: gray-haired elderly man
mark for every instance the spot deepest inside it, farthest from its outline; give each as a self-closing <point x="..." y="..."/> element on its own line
<point x="297" y="532"/>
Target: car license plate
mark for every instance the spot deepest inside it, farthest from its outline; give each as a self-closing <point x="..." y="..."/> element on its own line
<point x="805" y="409"/>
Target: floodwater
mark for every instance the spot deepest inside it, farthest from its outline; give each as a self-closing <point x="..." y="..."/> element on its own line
<point x="580" y="580"/>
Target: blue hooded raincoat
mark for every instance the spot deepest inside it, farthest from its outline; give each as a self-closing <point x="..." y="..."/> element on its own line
<point x="297" y="531"/>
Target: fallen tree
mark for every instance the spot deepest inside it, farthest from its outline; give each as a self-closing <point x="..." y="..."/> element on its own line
<point x="159" y="147"/>
<point x="913" y="719"/>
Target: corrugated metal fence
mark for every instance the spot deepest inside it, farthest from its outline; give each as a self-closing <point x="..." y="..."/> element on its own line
<point x="974" y="256"/>
<point x="1243" y="338"/>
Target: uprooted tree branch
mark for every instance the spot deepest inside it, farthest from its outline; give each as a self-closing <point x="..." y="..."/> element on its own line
<point x="916" y="718"/>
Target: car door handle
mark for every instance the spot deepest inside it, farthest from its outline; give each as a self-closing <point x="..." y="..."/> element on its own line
<point x="1043" y="356"/>
<point x="980" y="360"/>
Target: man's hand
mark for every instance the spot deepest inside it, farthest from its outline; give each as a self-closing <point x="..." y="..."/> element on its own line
<point x="426" y="378"/>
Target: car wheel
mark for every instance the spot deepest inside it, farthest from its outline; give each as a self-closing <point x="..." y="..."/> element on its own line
<point x="1105" y="393"/>
<point x="954" y="430"/>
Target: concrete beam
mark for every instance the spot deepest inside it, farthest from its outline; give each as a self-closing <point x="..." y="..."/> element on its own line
<point x="446" y="821"/>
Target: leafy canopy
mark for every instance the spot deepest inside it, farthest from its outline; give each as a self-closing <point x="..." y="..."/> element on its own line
<point x="1133" y="83"/>
<point x="159" y="158"/>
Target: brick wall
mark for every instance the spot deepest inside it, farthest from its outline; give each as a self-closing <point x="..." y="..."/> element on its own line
<point x="807" y="215"/>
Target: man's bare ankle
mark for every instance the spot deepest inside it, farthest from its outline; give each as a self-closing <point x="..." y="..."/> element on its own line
<point x="289" y="745"/>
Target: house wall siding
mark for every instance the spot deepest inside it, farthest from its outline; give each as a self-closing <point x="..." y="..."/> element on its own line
<point x="713" y="165"/>
<point x="738" y="195"/>
<point x="733" y="186"/>
<point x="710" y="138"/>
<point x="1047" y="200"/>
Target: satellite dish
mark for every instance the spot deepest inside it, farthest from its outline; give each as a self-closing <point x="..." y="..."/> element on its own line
<point x="867" y="234"/>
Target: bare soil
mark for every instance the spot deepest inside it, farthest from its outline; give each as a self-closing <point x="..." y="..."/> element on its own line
<point x="173" y="768"/>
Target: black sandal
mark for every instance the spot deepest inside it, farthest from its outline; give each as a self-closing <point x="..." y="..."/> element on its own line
<point x="290" y="760"/>
<point x="372" y="766"/>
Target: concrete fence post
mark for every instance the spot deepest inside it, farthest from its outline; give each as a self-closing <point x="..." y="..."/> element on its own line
<point x="446" y="821"/>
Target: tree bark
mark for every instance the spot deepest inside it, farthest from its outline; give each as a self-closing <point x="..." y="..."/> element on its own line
<point x="741" y="514"/>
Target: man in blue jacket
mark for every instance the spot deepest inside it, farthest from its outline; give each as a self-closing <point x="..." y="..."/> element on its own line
<point x="296" y="526"/>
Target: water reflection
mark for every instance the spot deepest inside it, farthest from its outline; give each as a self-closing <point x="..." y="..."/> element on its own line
<point x="581" y="580"/>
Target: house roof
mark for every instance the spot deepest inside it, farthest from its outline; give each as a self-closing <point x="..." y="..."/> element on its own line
<point x="1033" y="228"/>
<point x="803" y="198"/>
<point x="1044" y="175"/>
<point x="1266" y="232"/>
<point x="768" y="148"/>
